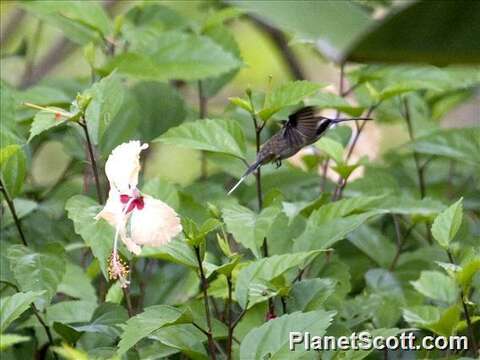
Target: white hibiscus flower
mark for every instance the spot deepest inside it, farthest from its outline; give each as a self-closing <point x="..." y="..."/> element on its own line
<point x="138" y="219"/>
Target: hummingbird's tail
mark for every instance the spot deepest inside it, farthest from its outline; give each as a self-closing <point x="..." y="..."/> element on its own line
<point x="336" y="121"/>
<point x="250" y="170"/>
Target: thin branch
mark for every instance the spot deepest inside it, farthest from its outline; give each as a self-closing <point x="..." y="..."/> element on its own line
<point x="57" y="54"/>
<point x="466" y="313"/>
<point x="204" y="285"/>
<point x="36" y="313"/>
<point x="13" y="24"/>
<point x="258" y="174"/>
<point x="219" y="348"/>
<point x="235" y="323"/>
<point x="128" y="302"/>
<point x="281" y="42"/>
<point x="342" y="183"/>
<point x="420" y="169"/>
<point x="11" y="206"/>
<point x="327" y="161"/>
<point x="350" y="90"/>
<point x="229" y="318"/>
<point x="93" y="162"/>
<point x="401" y="240"/>
<point x="202" y="107"/>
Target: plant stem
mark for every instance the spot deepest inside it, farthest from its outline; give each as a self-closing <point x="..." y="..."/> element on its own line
<point x="466" y="313"/>
<point x="202" y="110"/>
<point x="235" y="323"/>
<point x="93" y="162"/>
<point x="11" y="206"/>
<point x="327" y="160"/>
<point x="36" y="313"/>
<point x="420" y="173"/>
<point x="258" y="177"/>
<point x="279" y="39"/>
<point x="204" y="285"/>
<point x="342" y="183"/>
<point x="128" y="302"/>
<point x="400" y="241"/>
<point x="229" y="318"/>
<point x="420" y="168"/>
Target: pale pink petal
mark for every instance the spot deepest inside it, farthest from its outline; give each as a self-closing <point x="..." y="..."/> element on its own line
<point x="113" y="210"/>
<point x="123" y="165"/>
<point x="154" y="225"/>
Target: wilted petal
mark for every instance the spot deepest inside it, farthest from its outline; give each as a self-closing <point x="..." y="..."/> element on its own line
<point x="156" y="224"/>
<point x="123" y="165"/>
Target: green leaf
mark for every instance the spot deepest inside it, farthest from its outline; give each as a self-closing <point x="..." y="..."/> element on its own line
<point x="7" y="340"/>
<point x="161" y="107"/>
<point x="70" y="353"/>
<point x="432" y="42"/>
<point x="23" y="207"/>
<point x="13" y="166"/>
<point x="11" y="307"/>
<point x="114" y="293"/>
<point x="332" y="148"/>
<point x="310" y="294"/>
<point x="174" y="55"/>
<point x="244" y="104"/>
<point x="106" y="99"/>
<point x="38" y="271"/>
<point x="68" y="312"/>
<point x="456" y="144"/>
<point x="176" y="251"/>
<point x="334" y="26"/>
<point x="253" y="280"/>
<point x="272" y="338"/>
<point x="45" y="120"/>
<point x="432" y="318"/>
<point x="437" y="286"/>
<point x="402" y="205"/>
<point x="221" y="16"/>
<point x="374" y="244"/>
<point x="153" y="318"/>
<point x="221" y="36"/>
<point x="247" y="227"/>
<point x="79" y="22"/>
<point x="221" y="136"/>
<point x="447" y="223"/>
<point x="76" y="284"/>
<point x="163" y="190"/>
<point x="7" y="152"/>
<point x="288" y="94"/>
<point x="467" y="272"/>
<point x="98" y="235"/>
<point x="327" y="100"/>
<point x="323" y="234"/>
<point x="105" y="320"/>
<point x="185" y="338"/>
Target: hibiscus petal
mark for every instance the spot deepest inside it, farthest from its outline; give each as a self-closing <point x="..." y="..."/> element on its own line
<point x="154" y="225"/>
<point x="112" y="211"/>
<point x="123" y="165"/>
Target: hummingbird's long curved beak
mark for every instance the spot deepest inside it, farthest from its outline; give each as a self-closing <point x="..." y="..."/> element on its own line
<point x="336" y="121"/>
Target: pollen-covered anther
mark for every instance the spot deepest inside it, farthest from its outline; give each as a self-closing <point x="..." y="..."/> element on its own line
<point x="118" y="270"/>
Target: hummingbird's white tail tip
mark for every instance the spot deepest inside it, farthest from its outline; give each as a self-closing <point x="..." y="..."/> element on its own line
<point x="236" y="185"/>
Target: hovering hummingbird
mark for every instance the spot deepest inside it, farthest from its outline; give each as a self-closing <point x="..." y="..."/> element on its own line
<point x="301" y="129"/>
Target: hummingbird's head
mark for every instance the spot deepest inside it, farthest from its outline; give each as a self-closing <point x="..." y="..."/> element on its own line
<point x="323" y="124"/>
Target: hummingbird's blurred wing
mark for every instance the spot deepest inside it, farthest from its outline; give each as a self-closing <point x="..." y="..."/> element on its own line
<point x="301" y="127"/>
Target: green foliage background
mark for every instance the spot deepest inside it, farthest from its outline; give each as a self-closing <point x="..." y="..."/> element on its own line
<point x="356" y="234"/>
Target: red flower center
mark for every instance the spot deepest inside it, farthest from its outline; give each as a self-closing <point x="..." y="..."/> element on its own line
<point x="135" y="203"/>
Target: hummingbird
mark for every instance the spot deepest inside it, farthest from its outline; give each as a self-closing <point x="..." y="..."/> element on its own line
<point x="302" y="128"/>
